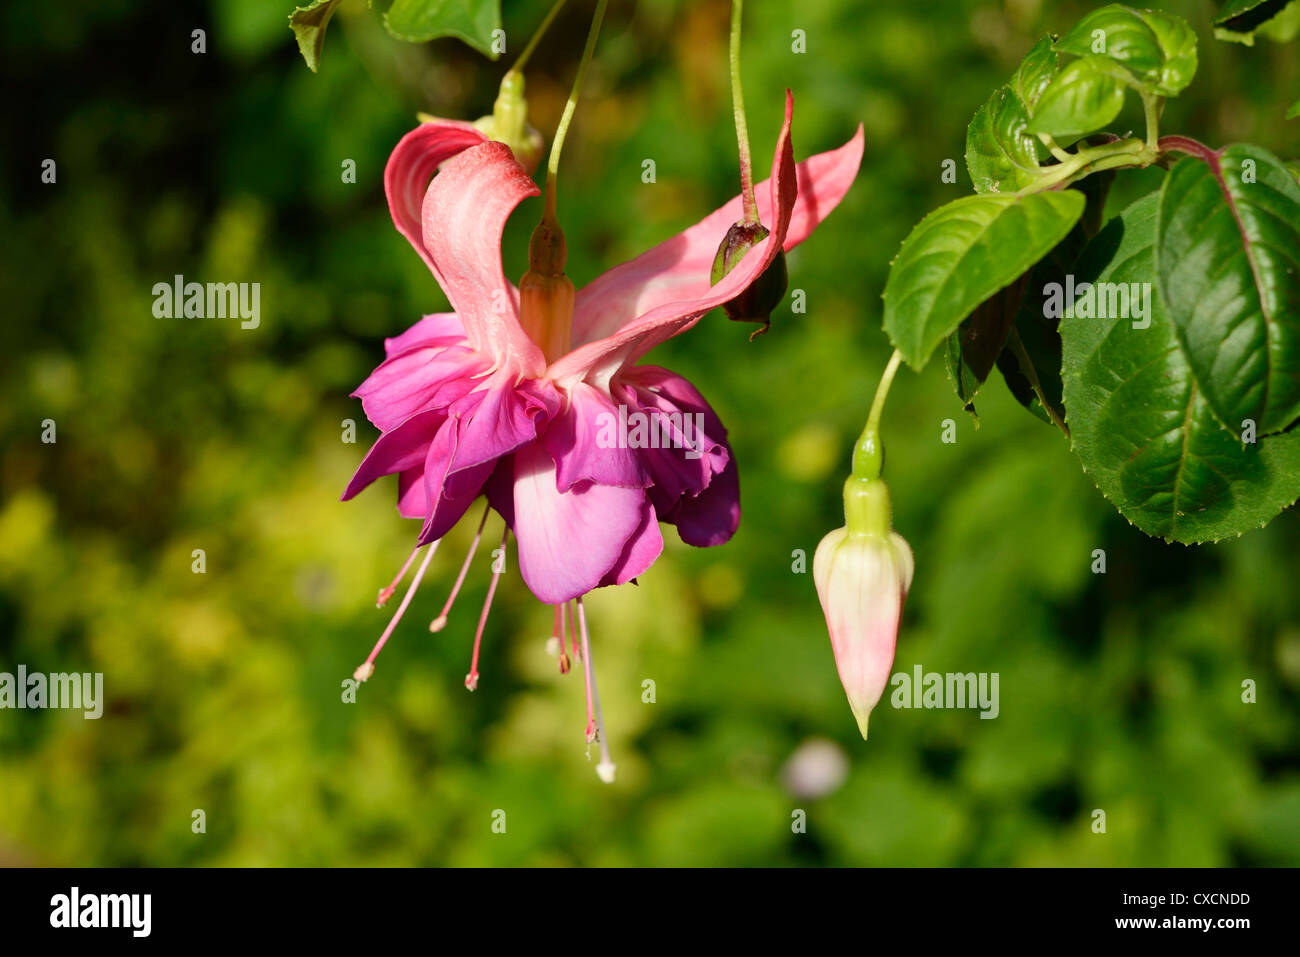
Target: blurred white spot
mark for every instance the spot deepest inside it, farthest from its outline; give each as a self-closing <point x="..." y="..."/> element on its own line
<point x="816" y="768"/>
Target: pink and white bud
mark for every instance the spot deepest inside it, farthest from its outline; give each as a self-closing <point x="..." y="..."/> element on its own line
<point x="862" y="579"/>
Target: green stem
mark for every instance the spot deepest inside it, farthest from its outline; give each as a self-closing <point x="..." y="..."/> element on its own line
<point x="868" y="454"/>
<point x="1130" y="152"/>
<point x="561" y="131"/>
<point x="537" y="36"/>
<point x="742" y="127"/>
<point x="1054" y="148"/>
<point x="1151" y="107"/>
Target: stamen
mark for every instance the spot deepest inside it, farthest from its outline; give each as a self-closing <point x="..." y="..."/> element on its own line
<point x="562" y="618"/>
<point x="471" y="679"/>
<point x="553" y="644"/>
<point x="391" y="589"/>
<point x="606" y="768"/>
<point x="367" y="667"/>
<point x="440" y="622"/>
<point x="586" y="677"/>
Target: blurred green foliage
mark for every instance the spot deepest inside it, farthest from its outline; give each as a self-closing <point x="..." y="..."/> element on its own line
<point x="1119" y="691"/>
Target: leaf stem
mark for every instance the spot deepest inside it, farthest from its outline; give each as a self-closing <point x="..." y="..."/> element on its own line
<point x="1151" y="107"/>
<point x="1054" y="148"/>
<point x="868" y="454"/>
<point x="742" y="127"/>
<point x="561" y="131"/>
<point x="1185" y="144"/>
<point x="537" y="36"/>
<point x="1130" y="152"/>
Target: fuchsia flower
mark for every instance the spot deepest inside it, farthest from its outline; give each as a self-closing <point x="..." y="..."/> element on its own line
<point x="506" y="398"/>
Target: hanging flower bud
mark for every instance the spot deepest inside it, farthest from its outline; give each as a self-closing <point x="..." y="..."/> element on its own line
<point x="863" y="572"/>
<point x="756" y="303"/>
<point x="508" y="123"/>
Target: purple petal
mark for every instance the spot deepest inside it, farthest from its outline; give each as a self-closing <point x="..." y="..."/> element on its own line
<point x="586" y="443"/>
<point x="697" y="447"/>
<point x="712" y="516"/>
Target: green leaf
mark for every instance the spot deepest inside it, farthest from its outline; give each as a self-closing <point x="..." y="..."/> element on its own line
<point x="1001" y="154"/>
<point x="1140" y="424"/>
<point x="308" y="25"/>
<point x="1228" y="253"/>
<point x="1035" y="72"/>
<point x="1157" y="49"/>
<point x="472" y="21"/>
<point x="1081" y="99"/>
<point x="961" y="254"/>
<point x="1238" y="20"/>
<point x="1294" y="111"/>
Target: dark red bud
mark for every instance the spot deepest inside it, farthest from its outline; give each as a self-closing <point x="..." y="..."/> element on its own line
<point x="765" y="293"/>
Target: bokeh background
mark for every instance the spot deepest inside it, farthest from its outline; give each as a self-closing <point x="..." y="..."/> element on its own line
<point x="1119" y="692"/>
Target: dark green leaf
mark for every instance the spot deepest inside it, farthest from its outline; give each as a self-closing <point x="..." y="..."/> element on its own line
<point x="308" y="25"/>
<point x="1284" y="27"/>
<point x="1141" y="426"/>
<point x="1239" y="19"/>
<point x="1031" y="364"/>
<point x="472" y="21"/>
<point x="1228" y="252"/>
<point x="1157" y="49"/>
<point x="973" y="349"/>
<point x="961" y="254"/>
<point x="1083" y="98"/>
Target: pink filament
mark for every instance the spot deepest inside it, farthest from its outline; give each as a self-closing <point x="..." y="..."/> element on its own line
<point x="471" y="679"/>
<point x="401" y="609"/>
<point x="388" y="592"/>
<point x="441" y="620"/>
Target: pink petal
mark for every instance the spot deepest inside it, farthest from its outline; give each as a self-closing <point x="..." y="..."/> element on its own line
<point x="416" y="380"/>
<point x="641" y="550"/>
<point x="678" y="269"/>
<point x="412" y="501"/>
<point x="585" y="443"/>
<point x="688" y="295"/>
<point x="464" y="214"/>
<point x="397" y="450"/>
<point x="439" y="329"/>
<point x="410" y="167"/>
<point x="481" y="428"/>
<point x="449" y="489"/>
<point x="570" y="541"/>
